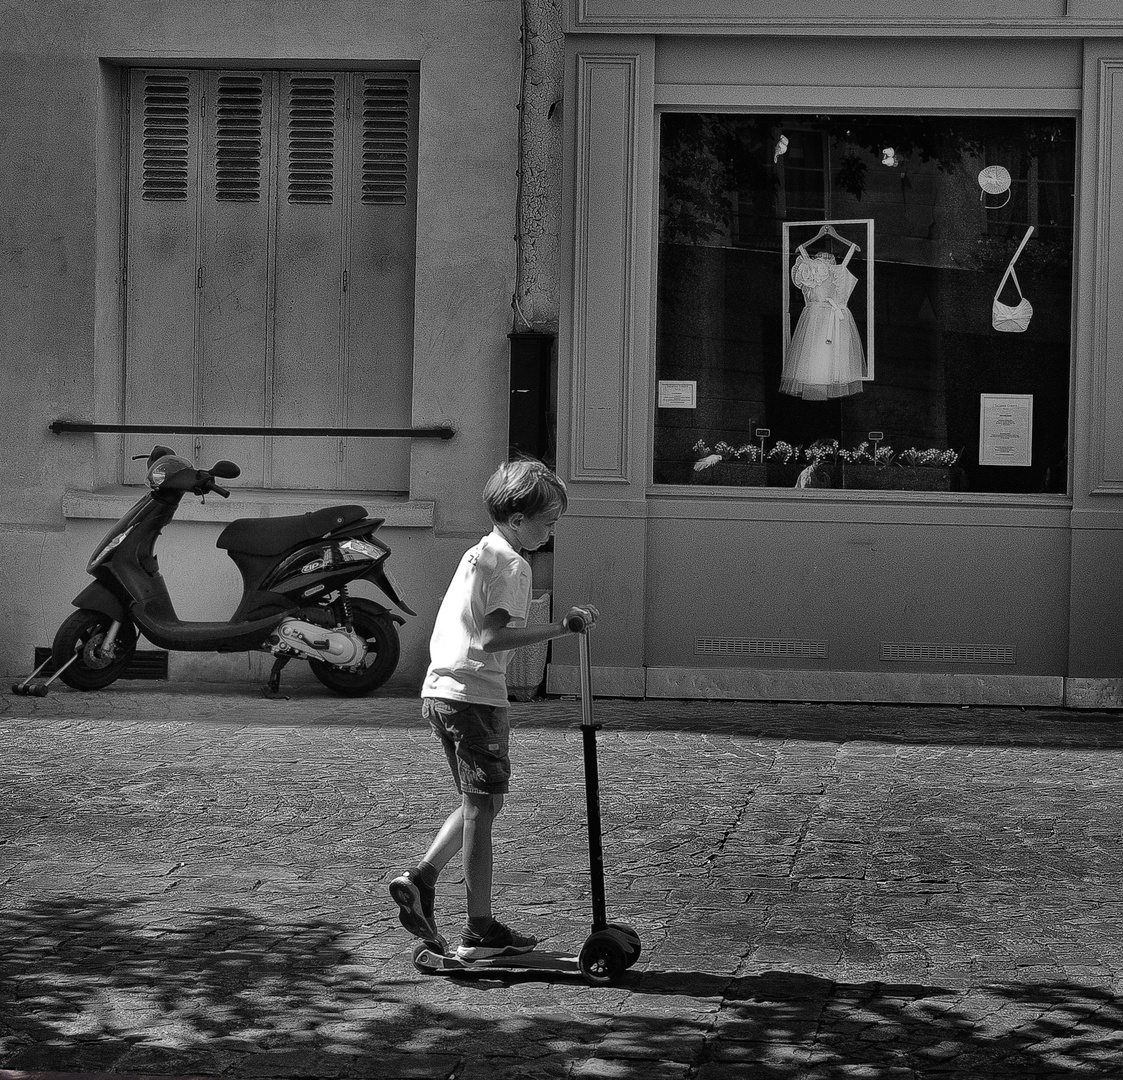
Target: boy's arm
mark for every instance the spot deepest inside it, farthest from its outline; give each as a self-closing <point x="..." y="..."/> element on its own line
<point x="497" y="636"/>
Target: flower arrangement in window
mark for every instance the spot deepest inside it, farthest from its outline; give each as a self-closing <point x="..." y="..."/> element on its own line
<point x="862" y="455"/>
<point x="860" y="464"/>
<point x="747" y="454"/>
<point x="784" y="453"/>
<point x="928" y="459"/>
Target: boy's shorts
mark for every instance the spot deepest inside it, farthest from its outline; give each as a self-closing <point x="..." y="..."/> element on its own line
<point x="476" y="739"/>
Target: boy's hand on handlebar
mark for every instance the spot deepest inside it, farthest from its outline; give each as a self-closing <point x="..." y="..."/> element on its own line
<point x="581" y="618"/>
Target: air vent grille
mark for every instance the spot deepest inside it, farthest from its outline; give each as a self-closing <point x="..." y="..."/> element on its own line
<point x="239" y="141"/>
<point x="936" y="652"/>
<point x="165" y="137"/>
<point x="312" y="141"/>
<point x="799" y="650"/>
<point x="385" y="141"/>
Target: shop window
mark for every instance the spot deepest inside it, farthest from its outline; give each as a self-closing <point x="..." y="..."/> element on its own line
<point x="269" y="268"/>
<point x="826" y="302"/>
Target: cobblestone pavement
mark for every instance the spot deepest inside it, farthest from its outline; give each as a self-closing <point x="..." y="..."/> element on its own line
<point x="194" y="883"/>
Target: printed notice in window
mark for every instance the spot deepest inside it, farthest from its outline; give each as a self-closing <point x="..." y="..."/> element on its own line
<point x="678" y="394"/>
<point x="1005" y="429"/>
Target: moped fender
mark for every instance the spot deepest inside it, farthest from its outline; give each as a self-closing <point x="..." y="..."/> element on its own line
<point x="96" y="597"/>
<point x="382" y="579"/>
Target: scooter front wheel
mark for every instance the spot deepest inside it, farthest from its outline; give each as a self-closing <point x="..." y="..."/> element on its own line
<point x="384" y="652"/>
<point x="83" y="632"/>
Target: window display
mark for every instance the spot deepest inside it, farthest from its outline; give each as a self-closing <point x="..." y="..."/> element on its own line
<point x="824" y="358"/>
<point x="771" y="298"/>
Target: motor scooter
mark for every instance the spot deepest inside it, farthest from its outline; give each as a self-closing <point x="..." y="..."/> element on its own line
<point x="295" y="603"/>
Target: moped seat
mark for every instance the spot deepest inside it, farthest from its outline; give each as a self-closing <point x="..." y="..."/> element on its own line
<point x="272" y="536"/>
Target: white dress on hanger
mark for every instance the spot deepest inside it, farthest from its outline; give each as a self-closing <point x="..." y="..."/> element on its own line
<point x="825" y="357"/>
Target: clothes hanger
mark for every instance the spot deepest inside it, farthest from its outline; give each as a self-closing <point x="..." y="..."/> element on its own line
<point x="829" y="230"/>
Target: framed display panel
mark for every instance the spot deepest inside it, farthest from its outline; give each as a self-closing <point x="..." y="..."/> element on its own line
<point x="739" y="192"/>
<point x="851" y="247"/>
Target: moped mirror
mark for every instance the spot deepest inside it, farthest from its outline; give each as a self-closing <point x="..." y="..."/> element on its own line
<point x="226" y="469"/>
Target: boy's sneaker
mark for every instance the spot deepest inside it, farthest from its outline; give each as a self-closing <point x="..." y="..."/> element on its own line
<point x="415" y="901"/>
<point x="499" y="940"/>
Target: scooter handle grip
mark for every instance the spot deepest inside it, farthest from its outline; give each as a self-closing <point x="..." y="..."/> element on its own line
<point x="576" y="624"/>
<point x="224" y="492"/>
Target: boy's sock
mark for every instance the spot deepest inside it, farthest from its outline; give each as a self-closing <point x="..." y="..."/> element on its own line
<point x="427" y="872"/>
<point x="480" y="924"/>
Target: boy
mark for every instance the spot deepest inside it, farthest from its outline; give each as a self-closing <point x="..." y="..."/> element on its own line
<point x="482" y="618"/>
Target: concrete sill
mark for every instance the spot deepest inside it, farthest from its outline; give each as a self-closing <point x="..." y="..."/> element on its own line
<point x="109" y="503"/>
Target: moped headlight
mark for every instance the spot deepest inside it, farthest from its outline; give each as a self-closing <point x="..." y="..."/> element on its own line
<point x="157" y="475"/>
<point x="166" y="467"/>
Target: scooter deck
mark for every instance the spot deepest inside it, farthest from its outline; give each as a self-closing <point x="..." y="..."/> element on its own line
<point x="432" y="961"/>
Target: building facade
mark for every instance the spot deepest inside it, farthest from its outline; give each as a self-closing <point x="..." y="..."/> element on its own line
<point x="873" y="249"/>
<point x="835" y="293"/>
<point x="279" y="215"/>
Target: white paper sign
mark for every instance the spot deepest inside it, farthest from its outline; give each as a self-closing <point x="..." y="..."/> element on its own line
<point x="1005" y="429"/>
<point x="678" y="394"/>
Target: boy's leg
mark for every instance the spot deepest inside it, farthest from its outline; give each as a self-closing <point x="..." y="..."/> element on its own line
<point x="448" y="841"/>
<point x="484" y="936"/>
<point x="467" y="828"/>
<point x="414" y="891"/>
<point x="479" y="813"/>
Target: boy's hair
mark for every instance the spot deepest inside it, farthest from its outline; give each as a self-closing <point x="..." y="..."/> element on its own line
<point x="523" y="486"/>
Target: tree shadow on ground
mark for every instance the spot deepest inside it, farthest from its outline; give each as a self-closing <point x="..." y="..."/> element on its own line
<point x="99" y="985"/>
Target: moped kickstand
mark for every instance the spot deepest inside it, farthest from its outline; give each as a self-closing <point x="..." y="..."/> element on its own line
<point x="26" y="689"/>
<point x="272" y="689"/>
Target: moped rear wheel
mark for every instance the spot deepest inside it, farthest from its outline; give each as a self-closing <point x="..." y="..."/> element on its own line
<point x="384" y="652"/>
<point x="83" y="632"/>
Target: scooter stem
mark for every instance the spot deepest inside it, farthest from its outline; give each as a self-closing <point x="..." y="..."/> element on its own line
<point x="592" y="787"/>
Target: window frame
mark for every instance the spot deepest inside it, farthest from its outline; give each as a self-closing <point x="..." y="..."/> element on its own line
<point x="702" y="99"/>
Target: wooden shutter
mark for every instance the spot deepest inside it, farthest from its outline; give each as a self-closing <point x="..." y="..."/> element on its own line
<point x="380" y="259"/>
<point x="307" y="370"/>
<point x="235" y="339"/>
<point x="270" y="267"/>
<point x="160" y="284"/>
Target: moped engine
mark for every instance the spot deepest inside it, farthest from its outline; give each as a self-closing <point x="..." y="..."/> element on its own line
<point x="333" y="645"/>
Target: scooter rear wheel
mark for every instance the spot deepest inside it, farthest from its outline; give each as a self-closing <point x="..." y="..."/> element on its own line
<point x="83" y="632"/>
<point x="382" y="641"/>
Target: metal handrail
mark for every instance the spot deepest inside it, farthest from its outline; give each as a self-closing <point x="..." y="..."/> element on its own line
<point x="60" y="426"/>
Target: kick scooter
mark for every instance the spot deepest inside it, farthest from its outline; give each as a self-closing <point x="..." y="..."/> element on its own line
<point x="611" y="948"/>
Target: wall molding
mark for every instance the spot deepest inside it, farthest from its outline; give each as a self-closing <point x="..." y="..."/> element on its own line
<point x="1046" y="18"/>
<point x="870" y="687"/>
<point x="796" y="99"/>
<point x="1107" y="323"/>
<point x="604" y="264"/>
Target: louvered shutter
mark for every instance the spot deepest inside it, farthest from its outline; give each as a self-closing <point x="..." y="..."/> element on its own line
<point x="235" y="340"/>
<point x="270" y="267"/>
<point x="380" y="296"/>
<point x="160" y="309"/>
<point x="308" y="349"/>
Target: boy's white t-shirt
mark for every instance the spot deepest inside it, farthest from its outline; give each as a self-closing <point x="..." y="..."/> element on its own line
<point x="492" y="576"/>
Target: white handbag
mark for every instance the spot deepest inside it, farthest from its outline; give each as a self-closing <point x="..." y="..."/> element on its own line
<point x="1012" y="319"/>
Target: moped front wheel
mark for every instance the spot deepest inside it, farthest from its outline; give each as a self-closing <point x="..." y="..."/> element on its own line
<point x="83" y="633"/>
<point x="384" y="651"/>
